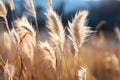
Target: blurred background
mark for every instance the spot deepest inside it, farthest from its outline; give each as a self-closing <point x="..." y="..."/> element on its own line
<point x="103" y="14"/>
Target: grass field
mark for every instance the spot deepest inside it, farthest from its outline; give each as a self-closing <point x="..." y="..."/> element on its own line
<point x="56" y="53"/>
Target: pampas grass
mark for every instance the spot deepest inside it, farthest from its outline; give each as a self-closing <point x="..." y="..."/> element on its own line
<point x="33" y="11"/>
<point x="59" y="57"/>
<point x="54" y="24"/>
<point x="26" y="35"/>
<point x="25" y="58"/>
<point x="48" y="55"/>
<point x="78" y="30"/>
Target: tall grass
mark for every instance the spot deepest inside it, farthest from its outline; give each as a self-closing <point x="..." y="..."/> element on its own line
<point x="102" y="57"/>
<point x="25" y="58"/>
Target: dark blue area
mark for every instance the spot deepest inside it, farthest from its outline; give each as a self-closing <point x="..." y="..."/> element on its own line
<point x="108" y="10"/>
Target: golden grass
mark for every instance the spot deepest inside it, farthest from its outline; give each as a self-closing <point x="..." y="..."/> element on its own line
<point x="24" y="56"/>
<point x="102" y="58"/>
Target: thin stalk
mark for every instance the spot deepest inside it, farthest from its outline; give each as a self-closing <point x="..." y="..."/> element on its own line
<point x="6" y="23"/>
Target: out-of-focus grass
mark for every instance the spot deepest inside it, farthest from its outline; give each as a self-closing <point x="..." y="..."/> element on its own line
<point x="100" y="57"/>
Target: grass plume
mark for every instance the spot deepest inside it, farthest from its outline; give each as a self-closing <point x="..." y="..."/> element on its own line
<point x="33" y="11"/>
<point x="78" y="30"/>
<point x="26" y="59"/>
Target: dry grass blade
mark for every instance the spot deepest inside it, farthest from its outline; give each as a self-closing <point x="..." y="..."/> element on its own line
<point x="9" y="71"/>
<point x="55" y="25"/>
<point x="54" y="22"/>
<point x="11" y="3"/>
<point x="9" y="55"/>
<point x="48" y="56"/>
<point x="15" y="37"/>
<point x="50" y="4"/>
<point x="100" y="24"/>
<point x="3" y="13"/>
<point x="26" y="46"/>
<point x="101" y="40"/>
<point x="27" y="36"/>
<point x="33" y="11"/>
<point x="117" y="31"/>
<point x="22" y="26"/>
<point x="57" y="34"/>
<point x="82" y="74"/>
<point x="78" y="29"/>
